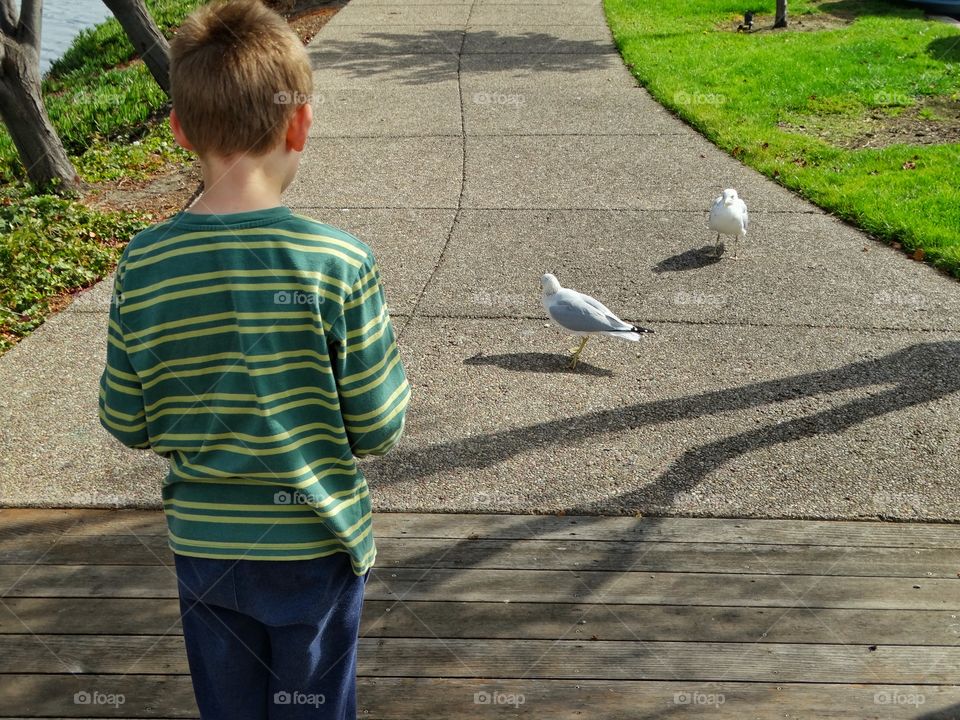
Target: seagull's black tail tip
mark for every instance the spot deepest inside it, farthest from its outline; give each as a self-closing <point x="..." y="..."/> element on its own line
<point x="640" y="330"/>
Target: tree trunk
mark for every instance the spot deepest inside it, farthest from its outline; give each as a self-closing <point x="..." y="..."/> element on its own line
<point x="145" y="36"/>
<point x="780" y="21"/>
<point x="23" y="112"/>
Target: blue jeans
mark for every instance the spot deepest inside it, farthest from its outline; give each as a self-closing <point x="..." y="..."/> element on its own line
<point x="272" y="640"/>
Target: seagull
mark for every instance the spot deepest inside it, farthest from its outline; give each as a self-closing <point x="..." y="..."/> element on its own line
<point x="728" y="216"/>
<point x="581" y="314"/>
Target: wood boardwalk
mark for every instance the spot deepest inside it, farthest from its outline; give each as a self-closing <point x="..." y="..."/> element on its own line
<point x="486" y="616"/>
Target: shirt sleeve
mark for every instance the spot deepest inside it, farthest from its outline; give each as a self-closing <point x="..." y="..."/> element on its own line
<point x="371" y="383"/>
<point x="121" y="396"/>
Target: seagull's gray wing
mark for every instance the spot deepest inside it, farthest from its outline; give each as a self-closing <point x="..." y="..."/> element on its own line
<point x="581" y="313"/>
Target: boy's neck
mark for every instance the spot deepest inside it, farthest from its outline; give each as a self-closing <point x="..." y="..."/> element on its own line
<point x="237" y="186"/>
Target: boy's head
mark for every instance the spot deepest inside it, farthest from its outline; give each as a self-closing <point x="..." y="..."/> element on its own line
<point x="238" y="75"/>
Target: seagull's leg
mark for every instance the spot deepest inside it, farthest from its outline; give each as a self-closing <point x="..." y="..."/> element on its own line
<point x="716" y="245"/>
<point x="576" y="353"/>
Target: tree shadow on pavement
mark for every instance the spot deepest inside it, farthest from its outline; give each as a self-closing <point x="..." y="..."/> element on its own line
<point x="421" y="58"/>
<point x="537" y="363"/>
<point x="913" y="376"/>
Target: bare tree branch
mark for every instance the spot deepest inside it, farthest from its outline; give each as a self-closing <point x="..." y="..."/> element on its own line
<point x="8" y="17"/>
<point x="145" y="36"/>
<point x="31" y="16"/>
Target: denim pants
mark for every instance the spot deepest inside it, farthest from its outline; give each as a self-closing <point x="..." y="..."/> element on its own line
<point x="272" y="640"/>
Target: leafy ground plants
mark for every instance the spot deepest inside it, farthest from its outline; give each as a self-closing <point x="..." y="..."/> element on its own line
<point x="110" y="115"/>
<point x="855" y="106"/>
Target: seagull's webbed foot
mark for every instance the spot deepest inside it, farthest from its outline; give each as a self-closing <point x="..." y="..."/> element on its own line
<point x="575" y="358"/>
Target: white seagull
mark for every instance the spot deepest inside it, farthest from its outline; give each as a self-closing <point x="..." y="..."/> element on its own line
<point x="581" y="314"/>
<point x="728" y="216"/>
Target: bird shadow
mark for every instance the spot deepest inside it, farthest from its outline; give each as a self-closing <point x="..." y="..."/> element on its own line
<point x="537" y="363"/>
<point x="692" y="259"/>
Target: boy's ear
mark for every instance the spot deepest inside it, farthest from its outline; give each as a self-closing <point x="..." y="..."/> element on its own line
<point x="299" y="127"/>
<point x="178" y="133"/>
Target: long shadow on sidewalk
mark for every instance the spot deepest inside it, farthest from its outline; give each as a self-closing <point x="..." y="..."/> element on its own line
<point x="913" y="376"/>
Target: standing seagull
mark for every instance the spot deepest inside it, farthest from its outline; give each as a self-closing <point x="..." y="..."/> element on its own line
<point x="580" y="314"/>
<point x="728" y="216"/>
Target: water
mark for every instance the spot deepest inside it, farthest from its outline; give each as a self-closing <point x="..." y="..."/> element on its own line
<point x="62" y="22"/>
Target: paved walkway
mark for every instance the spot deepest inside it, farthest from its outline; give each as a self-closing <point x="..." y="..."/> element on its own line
<point x="476" y="145"/>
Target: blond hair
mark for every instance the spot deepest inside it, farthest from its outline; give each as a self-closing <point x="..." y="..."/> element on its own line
<point x="237" y="74"/>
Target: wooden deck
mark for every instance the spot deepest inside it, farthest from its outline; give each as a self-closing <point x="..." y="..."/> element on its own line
<point x="541" y="617"/>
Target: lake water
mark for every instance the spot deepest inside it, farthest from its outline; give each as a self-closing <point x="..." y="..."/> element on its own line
<point x="62" y="21"/>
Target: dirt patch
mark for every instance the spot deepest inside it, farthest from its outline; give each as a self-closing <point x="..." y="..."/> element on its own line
<point x="932" y="121"/>
<point x="162" y="195"/>
<point x="829" y="16"/>
<point x="306" y="17"/>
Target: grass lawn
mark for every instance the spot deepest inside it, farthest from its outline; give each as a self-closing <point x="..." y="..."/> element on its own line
<point x="855" y="106"/>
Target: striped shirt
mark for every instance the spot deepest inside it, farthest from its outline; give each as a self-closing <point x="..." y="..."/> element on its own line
<point x="254" y="351"/>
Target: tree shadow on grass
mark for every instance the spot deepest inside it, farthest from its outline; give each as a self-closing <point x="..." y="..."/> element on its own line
<point x="946" y="49"/>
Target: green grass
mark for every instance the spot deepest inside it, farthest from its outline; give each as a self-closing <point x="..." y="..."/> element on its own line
<point x="95" y="94"/>
<point x="108" y="112"/>
<point x="750" y="94"/>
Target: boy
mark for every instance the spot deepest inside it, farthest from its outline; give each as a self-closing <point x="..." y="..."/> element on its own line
<point x="252" y="348"/>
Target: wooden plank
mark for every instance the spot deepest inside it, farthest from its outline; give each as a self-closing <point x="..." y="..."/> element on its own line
<point x="641" y="588"/>
<point x="550" y="527"/>
<point x="522" y="659"/>
<point x="147" y="696"/>
<point x="631" y="529"/>
<point x="542" y="621"/>
<point x="666" y="588"/>
<point x="547" y="555"/>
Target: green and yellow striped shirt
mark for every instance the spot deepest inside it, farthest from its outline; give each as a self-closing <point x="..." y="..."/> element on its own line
<point x="254" y="351"/>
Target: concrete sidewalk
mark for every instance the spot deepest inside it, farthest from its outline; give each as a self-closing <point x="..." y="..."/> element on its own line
<point x="476" y="145"/>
